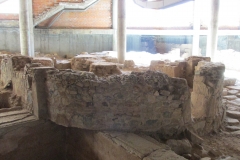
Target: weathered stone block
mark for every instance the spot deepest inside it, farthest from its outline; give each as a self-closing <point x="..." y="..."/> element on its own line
<point x="104" y="69"/>
<point x="172" y="69"/>
<point x="206" y="97"/>
<point x="129" y="64"/>
<point x="80" y="62"/>
<point x="191" y="62"/>
<point x="63" y="64"/>
<point x="47" y="62"/>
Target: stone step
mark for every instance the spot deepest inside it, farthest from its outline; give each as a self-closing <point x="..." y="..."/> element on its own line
<point x="238" y="95"/>
<point x="233" y="114"/>
<point x="234" y="87"/>
<point x="232" y="92"/>
<point x="235" y="102"/>
<point x="232" y="128"/>
<point x="233" y="108"/>
<point x="230" y="97"/>
<point x="236" y="132"/>
<point x="231" y="121"/>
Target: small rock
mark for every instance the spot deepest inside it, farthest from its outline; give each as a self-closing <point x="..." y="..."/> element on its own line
<point x="180" y="146"/>
<point x="214" y="153"/>
<point x="156" y="93"/>
<point x="206" y="158"/>
<point x="193" y="137"/>
<point x="165" y="93"/>
<point x="200" y="151"/>
<point x="225" y="92"/>
<point x="151" y="99"/>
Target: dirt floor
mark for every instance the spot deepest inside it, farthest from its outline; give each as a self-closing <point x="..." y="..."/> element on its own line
<point x="223" y="144"/>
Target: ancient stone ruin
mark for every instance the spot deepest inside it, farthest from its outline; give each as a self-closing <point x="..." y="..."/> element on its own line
<point x="98" y="96"/>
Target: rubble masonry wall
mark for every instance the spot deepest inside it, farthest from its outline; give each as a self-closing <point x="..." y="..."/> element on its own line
<point x="144" y="101"/>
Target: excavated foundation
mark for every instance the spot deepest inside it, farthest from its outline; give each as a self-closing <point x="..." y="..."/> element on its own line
<point x="93" y="92"/>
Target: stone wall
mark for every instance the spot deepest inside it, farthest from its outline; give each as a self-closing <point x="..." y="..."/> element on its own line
<point x="13" y="70"/>
<point x="206" y="98"/>
<point x="146" y="101"/>
<point x="32" y="141"/>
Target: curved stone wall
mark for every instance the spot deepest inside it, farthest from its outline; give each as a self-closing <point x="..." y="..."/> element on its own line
<point x="140" y="101"/>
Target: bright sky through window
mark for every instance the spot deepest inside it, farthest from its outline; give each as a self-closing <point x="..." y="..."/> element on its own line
<point x="10" y="6"/>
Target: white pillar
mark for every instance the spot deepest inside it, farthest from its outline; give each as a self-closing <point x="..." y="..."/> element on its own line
<point x="114" y="23"/>
<point x="26" y="27"/>
<point x="121" y="31"/>
<point x="213" y="29"/>
<point x="196" y="29"/>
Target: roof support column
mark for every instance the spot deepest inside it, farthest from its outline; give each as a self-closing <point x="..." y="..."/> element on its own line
<point x="196" y="29"/>
<point x="213" y="29"/>
<point x="121" y="31"/>
<point x="26" y="27"/>
<point x="114" y="23"/>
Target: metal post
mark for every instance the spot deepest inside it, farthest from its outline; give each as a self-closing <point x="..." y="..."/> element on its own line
<point x="26" y="27"/>
<point x="196" y="29"/>
<point x="114" y="23"/>
<point x="213" y="30"/>
<point x="121" y="31"/>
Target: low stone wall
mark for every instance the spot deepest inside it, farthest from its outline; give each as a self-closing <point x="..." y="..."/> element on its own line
<point x="144" y="101"/>
<point x="13" y="70"/>
<point x="206" y="98"/>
